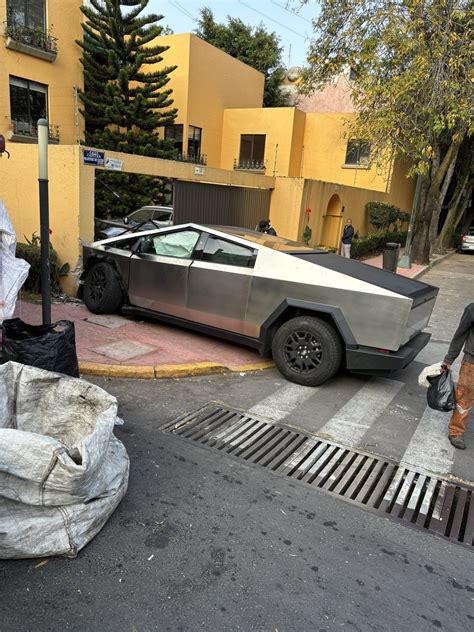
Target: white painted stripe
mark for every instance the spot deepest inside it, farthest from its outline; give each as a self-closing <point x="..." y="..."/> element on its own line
<point x="352" y="421"/>
<point x="429" y="447"/>
<point x="280" y="404"/>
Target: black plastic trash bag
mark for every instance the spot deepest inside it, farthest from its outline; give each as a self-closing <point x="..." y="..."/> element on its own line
<point x="440" y="394"/>
<point x="50" y="347"/>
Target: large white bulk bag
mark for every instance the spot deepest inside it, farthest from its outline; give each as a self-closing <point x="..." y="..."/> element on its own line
<point x="62" y="471"/>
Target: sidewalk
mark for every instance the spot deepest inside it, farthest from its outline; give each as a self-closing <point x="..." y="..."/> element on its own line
<point x="118" y="346"/>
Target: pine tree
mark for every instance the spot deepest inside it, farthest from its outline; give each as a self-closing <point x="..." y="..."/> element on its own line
<point x="125" y="99"/>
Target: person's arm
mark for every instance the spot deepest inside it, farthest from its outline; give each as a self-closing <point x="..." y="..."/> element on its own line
<point x="460" y="336"/>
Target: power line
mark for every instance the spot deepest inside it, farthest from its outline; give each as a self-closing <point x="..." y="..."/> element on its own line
<point x="183" y="10"/>
<point x="292" y="11"/>
<point x="304" y="37"/>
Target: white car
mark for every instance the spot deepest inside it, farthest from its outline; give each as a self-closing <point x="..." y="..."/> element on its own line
<point x="146" y="217"/>
<point x="467" y="241"/>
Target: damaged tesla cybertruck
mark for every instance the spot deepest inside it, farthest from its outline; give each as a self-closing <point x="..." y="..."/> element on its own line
<point x="313" y="311"/>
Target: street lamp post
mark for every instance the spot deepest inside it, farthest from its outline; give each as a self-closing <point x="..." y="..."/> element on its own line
<point x="44" y="219"/>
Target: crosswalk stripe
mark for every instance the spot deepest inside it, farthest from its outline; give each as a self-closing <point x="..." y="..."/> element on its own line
<point x="280" y="404"/>
<point x="352" y="421"/>
<point x="429" y="447"/>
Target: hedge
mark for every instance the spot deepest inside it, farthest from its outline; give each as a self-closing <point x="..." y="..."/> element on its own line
<point x="31" y="252"/>
<point x="373" y="244"/>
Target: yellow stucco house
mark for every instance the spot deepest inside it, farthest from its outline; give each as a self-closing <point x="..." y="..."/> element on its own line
<point x="221" y="122"/>
<point x="223" y="134"/>
<point x="40" y="71"/>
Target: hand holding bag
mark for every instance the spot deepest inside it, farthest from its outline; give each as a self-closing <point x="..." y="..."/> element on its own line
<point x="440" y="394"/>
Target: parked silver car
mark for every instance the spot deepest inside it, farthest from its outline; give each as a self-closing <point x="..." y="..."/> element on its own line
<point x="146" y="218"/>
<point x="312" y="310"/>
<point x="467" y="241"/>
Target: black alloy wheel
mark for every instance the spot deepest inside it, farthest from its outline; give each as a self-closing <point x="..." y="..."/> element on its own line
<point x="307" y="350"/>
<point x="302" y="351"/>
<point x="103" y="292"/>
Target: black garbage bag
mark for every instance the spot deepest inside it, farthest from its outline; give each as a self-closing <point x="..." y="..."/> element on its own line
<point x="51" y="347"/>
<point x="440" y="394"/>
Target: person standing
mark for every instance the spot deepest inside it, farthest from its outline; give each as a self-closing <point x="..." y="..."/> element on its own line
<point x="464" y="336"/>
<point x="346" y="241"/>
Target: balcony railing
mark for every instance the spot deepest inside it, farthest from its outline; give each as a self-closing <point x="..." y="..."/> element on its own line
<point x="20" y="37"/>
<point x="24" y="131"/>
<point x="197" y="159"/>
<point x="249" y="165"/>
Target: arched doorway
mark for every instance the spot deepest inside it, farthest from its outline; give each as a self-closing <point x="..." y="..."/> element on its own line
<point x="332" y="225"/>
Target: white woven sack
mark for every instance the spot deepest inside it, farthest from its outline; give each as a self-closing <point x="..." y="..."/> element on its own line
<point x="39" y="531"/>
<point x="13" y="271"/>
<point x="54" y="437"/>
<point x="62" y="471"/>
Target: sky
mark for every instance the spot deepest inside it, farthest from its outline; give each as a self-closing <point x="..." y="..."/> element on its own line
<point x="290" y="21"/>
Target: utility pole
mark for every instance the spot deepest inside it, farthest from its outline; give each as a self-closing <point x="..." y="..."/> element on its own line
<point x="43" y="134"/>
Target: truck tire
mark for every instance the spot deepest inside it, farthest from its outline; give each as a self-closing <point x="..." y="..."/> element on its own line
<point x="307" y="350"/>
<point x="103" y="293"/>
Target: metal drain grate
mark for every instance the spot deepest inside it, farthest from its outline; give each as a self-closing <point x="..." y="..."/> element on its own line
<point x="404" y="495"/>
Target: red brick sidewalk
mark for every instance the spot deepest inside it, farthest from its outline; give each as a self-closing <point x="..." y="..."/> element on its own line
<point x="411" y="273"/>
<point x="121" y="341"/>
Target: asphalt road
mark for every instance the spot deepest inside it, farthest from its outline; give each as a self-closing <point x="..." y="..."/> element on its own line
<point x="204" y="542"/>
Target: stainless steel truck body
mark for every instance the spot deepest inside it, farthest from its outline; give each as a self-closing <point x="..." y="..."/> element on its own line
<point x="312" y="310"/>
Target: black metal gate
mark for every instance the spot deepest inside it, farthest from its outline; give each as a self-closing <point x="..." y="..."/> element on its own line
<point x="220" y="204"/>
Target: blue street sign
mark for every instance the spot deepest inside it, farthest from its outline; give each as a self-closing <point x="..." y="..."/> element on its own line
<point x="94" y="157"/>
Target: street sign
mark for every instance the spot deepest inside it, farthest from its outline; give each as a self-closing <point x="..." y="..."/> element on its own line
<point x="198" y="171"/>
<point x="93" y="157"/>
<point x="114" y="164"/>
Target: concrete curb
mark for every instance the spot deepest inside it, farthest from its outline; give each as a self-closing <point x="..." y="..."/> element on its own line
<point x="434" y="263"/>
<point x="162" y="371"/>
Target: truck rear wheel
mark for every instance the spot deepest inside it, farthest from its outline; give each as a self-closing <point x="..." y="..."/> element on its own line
<point x="307" y="350"/>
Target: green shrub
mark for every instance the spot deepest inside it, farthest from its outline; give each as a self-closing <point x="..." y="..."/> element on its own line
<point x="31" y="252"/>
<point x="373" y="244"/>
<point x="384" y="216"/>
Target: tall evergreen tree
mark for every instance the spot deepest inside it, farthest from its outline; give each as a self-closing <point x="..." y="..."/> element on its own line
<point x="125" y="98"/>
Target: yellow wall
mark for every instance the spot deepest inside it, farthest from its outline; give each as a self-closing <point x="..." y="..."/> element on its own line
<point x="205" y="83"/>
<point x="20" y="196"/>
<point x="64" y="18"/>
<point x="292" y="196"/>
<point x="283" y="128"/>
<point x="325" y="153"/>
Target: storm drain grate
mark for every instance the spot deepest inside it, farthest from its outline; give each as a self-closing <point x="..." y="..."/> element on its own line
<point x="404" y="495"/>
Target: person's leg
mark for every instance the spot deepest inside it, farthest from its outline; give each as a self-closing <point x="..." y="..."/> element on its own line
<point x="464" y="400"/>
<point x="346" y="250"/>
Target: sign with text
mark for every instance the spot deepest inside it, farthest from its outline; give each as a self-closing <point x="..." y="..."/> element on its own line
<point x="198" y="171"/>
<point x="93" y="157"/>
<point x="114" y="164"/>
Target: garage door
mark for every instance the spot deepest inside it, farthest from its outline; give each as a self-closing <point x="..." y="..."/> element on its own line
<point x="217" y="204"/>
